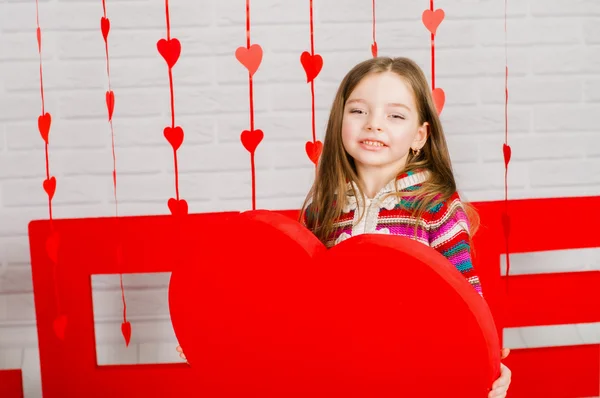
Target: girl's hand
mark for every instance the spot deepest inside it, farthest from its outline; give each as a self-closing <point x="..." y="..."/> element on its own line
<point x="500" y="386"/>
<point x="180" y="351"/>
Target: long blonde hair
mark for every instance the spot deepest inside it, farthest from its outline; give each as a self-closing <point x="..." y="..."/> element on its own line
<point x="336" y="167"/>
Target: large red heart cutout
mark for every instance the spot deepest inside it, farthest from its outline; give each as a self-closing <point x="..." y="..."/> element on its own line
<point x="273" y="313"/>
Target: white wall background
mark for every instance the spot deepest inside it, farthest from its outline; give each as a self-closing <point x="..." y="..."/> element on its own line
<point x="554" y="63"/>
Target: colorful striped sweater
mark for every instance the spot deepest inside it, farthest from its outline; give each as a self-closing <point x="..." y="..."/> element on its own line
<point x="443" y="227"/>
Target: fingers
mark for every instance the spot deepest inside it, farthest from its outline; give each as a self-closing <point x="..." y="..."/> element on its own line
<point x="504" y="353"/>
<point x="498" y="392"/>
<point x="180" y="351"/>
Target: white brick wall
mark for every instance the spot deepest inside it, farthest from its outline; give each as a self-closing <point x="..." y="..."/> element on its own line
<point x="554" y="62"/>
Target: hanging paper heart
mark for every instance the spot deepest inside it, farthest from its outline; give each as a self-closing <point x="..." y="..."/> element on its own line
<point x="105" y="27"/>
<point x="433" y="19"/>
<point x="49" y="185"/>
<point x="126" y="331"/>
<point x="170" y="50"/>
<point x="439" y="98"/>
<point x="374" y="49"/>
<point x="507" y="154"/>
<point x="313" y="150"/>
<point x="251" y="139"/>
<point x="39" y="39"/>
<point x="312" y="65"/>
<point x="60" y="326"/>
<point x="175" y="136"/>
<point x="178" y="207"/>
<point x="114" y="175"/>
<point x="306" y="321"/>
<point x="52" y="247"/>
<point x="110" y="103"/>
<point x="250" y="57"/>
<point x="44" y="122"/>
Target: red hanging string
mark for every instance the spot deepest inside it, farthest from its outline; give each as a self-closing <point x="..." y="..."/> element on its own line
<point x="250" y="57"/>
<point x="312" y="64"/>
<point x="432" y="19"/>
<point x="49" y="186"/>
<point x="110" y="103"/>
<point x="506" y="150"/>
<point x="170" y="49"/>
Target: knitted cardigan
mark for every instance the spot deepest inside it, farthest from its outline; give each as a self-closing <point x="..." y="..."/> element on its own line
<point x="444" y="226"/>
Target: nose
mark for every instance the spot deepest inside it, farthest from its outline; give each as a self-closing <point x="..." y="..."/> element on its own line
<point x="374" y="123"/>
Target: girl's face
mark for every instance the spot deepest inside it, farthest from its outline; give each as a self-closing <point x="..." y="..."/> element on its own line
<point x="381" y="123"/>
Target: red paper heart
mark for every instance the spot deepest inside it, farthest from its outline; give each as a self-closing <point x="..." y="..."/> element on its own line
<point x="110" y="103"/>
<point x="126" y="331"/>
<point x="306" y="321"/>
<point x="439" y="98"/>
<point x="44" y="122"/>
<point x="507" y="154"/>
<point x="60" y="326"/>
<point x="250" y="57"/>
<point x="374" y="49"/>
<point x="174" y="135"/>
<point x="251" y="139"/>
<point x="178" y="207"/>
<point x="52" y="247"/>
<point x="49" y="185"/>
<point x="105" y="27"/>
<point x="38" y="33"/>
<point x="313" y="150"/>
<point x="170" y="50"/>
<point x="433" y="19"/>
<point x="312" y="65"/>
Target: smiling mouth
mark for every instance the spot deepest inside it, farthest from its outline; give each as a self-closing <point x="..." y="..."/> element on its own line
<point x="373" y="143"/>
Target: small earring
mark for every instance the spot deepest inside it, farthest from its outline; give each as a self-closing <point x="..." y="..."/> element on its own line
<point x="415" y="152"/>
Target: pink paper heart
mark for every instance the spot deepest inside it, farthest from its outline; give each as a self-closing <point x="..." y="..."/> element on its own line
<point x="44" y="122"/>
<point x="178" y="207"/>
<point x="170" y="50"/>
<point x="374" y="49"/>
<point x="312" y="65"/>
<point x="251" y="139"/>
<point x="175" y="136"/>
<point x="439" y="98"/>
<point x="105" y="27"/>
<point x="250" y="57"/>
<point x="110" y="103"/>
<point x="507" y="154"/>
<point x="313" y="150"/>
<point x="433" y="19"/>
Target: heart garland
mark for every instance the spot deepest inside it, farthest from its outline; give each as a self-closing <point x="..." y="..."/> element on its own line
<point x="312" y="64"/>
<point x="110" y="104"/>
<point x="250" y="57"/>
<point x="506" y="150"/>
<point x="432" y="19"/>
<point x="49" y="186"/>
<point x="170" y="49"/>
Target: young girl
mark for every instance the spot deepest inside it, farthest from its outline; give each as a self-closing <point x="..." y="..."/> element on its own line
<point x="385" y="168"/>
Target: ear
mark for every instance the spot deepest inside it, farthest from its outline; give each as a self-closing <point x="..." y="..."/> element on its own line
<point x="421" y="136"/>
